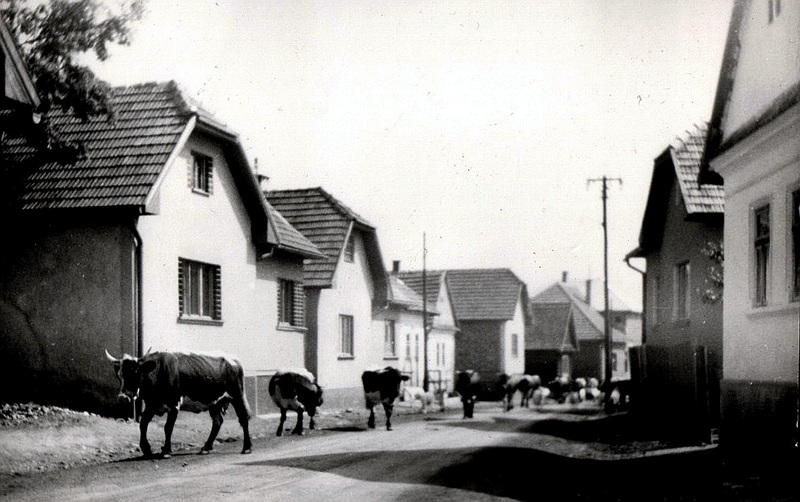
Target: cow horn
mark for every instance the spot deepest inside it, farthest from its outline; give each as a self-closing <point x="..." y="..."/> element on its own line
<point x="111" y="358"/>
<point x="148" y="351"/>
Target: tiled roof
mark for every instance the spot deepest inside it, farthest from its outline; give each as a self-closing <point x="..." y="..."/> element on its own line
<point x="126" y="155"/>
<point x="687" y="154"/>
<point x="484" y="294"/>
<point x="324" y="221"/>
<point x="589" y="323"/>
<point x="551" y="328"/>
<point x="433" y="281"/>
<point x="403" y="296"/>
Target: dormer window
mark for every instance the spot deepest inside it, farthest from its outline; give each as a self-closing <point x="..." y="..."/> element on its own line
<point x="202" y="173"/>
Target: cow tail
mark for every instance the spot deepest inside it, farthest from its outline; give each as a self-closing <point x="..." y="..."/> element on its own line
<point x="240" y="377"/>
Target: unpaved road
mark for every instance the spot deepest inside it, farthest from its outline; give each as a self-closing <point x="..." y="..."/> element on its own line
<point x="495" y="456"/>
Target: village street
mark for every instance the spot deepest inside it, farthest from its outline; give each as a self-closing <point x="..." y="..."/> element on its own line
<point x="522" y="454"/>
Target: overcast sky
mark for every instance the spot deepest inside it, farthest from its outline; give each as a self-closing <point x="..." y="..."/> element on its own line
<point x="477" y="123"/>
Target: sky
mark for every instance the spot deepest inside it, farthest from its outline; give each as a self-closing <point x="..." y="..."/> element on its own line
<point x="473" y="126"/>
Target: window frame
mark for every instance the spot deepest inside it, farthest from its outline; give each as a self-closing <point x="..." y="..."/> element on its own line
<point x="199" y="292"/>
<point x="681" y="303"/>
<point x="390" y="339"/>
<point x="514" y="345"/>
<point x="291" y="304"/>
<point x="794" y="242"/>
<point x="346" y="336"/>
<point x="202" y="173"/>
<point x="761" y="248"/>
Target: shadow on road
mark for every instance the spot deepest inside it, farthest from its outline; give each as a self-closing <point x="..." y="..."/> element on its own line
<point x="527" y="474"/>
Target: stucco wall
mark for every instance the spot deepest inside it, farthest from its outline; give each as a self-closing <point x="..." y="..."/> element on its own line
<point x="66" y="295"/>
<point x="351" y="294"/>
<point x="511" y="363"/>
<point x="769" y="62"/>
<point x="213" y="229"/>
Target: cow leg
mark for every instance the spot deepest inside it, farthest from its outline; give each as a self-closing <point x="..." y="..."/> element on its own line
<point x="172" y="415"/>
<point x="298" y="427"/>
<point x="243" y="414"/>
<point x="311" y="421"/>
<point x="216" y="412"/>
<point x="387" y="408"/>
<point x="371" y="420"/>
<point x="280" y="424"/>
<point x="144" y="421"/>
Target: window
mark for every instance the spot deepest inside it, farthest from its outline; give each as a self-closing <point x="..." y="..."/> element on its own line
<point x="682" y="297"/>
<point x="514" y="345"/>
<point x="350" y="249"/>
<point x="346" y="335"/>
<point x="291" y="303"/>
<point x="389" y="339"/>
<point x="416" y="347"/>
<point x="202" y="173"/>
<point x="199" y="291"/>
<point x="796" y="245"/>
<point x="408" y="347"/>
<point x="654" y="318"/>
<point x="774" y="9"/>
<point x="761" y="245"/>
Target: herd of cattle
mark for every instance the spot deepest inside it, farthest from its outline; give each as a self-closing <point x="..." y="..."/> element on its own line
<point x="162" y="380"/>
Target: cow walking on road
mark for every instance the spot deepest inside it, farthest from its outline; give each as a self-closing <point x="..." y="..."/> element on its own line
<point x="162" y="379"/>
<point x="295" y="390"/>
<point x="525" y="384"/>
<point x="382" y="387"/>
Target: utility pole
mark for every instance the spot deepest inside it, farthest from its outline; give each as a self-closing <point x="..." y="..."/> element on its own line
<point x="608" y="338"/>
<point x="425" y="380"/>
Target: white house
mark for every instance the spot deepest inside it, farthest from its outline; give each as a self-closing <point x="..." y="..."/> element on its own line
<point x="754" y="146"/>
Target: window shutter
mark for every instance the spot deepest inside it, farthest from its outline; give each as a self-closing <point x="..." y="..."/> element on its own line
<point x="217" y="293"/>
<point x="280" y="301"/>
<point x="181" y="295"/>
<point x="299" y="313"/>
<point x="210" y="174"/>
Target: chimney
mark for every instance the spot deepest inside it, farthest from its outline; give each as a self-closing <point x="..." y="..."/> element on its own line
<point x="564" y="276"/>
<point x="588" y="291"/>
<point x="262" y="179"/>
<point x="396" y="267"/>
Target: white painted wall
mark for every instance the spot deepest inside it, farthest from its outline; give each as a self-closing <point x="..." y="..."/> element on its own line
<point x="514" y="364"/>
<point x="769" y="62"/>
<point x="760" y="343"/>
<point x="214" y="229"/>
<point x="351" y="294"/>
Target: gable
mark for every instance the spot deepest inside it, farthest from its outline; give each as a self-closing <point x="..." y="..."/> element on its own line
<point x="17" y="83"/>
<point x="483" y="294"/>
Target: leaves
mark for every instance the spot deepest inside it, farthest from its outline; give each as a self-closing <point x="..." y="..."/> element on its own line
<point x="715" y="252"/>
<point x="53" y="35"/>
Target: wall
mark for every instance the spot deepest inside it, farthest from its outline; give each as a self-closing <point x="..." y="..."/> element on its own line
<point x="510" y="363"/>
<point x="769" y="62"/>
<point x="351" y="294"/>
<point x="66" y="294"/>
<point x="479" y="347"/>
<point x="195" y="226"/>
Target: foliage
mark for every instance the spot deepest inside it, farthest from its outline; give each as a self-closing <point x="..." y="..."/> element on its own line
<point x="715" y="252"/>
<point x="53" y="35"/>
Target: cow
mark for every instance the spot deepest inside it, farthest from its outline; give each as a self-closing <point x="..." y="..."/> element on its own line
<point x="468" y="387"/>
<point x="163" y="379"/>
<point x="382" y="386"/>
<point x="295" y="390"/>
<point x="524" y="384"/>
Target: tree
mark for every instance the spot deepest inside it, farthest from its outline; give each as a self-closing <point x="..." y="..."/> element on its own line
<point x="53" y="35"/>
<point x="715" y="252"/>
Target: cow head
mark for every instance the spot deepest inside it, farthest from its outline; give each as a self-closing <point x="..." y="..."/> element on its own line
<point x="130" y="371"/>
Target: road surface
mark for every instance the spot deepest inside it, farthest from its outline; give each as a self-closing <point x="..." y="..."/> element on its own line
<point x="440" y="456"/>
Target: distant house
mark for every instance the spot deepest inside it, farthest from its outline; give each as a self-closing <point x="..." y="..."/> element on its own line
<point x="754" y="146"/>
<point x="623" y="317"/>
<point x="158" y="238"/>
<point x="491" y="312"/>
<point x="551" y="341"/>
<point x="587" y="358"/>
<point x="18" y="88"/>
<point x="345" y="291"/>
<point x="443" y="334"/>
<point x="681" y="230"/>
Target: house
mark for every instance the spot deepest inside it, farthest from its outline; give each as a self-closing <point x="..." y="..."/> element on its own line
<point x="680" y="238"/>
<point x="491" y="312"/>
<point x="158" y="238"/>
<point x="587" y="358"/>
<point x="443" y="332"/>
<point x="623" y="317"/>
<point x="18" y="88"/>
<point x="551" y="341"/>
<point x="753" y="146"/>
<point x="345" y="291"/>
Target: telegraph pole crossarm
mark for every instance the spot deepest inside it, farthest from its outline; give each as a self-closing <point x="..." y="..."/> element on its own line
<point x="608" y="335"/>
